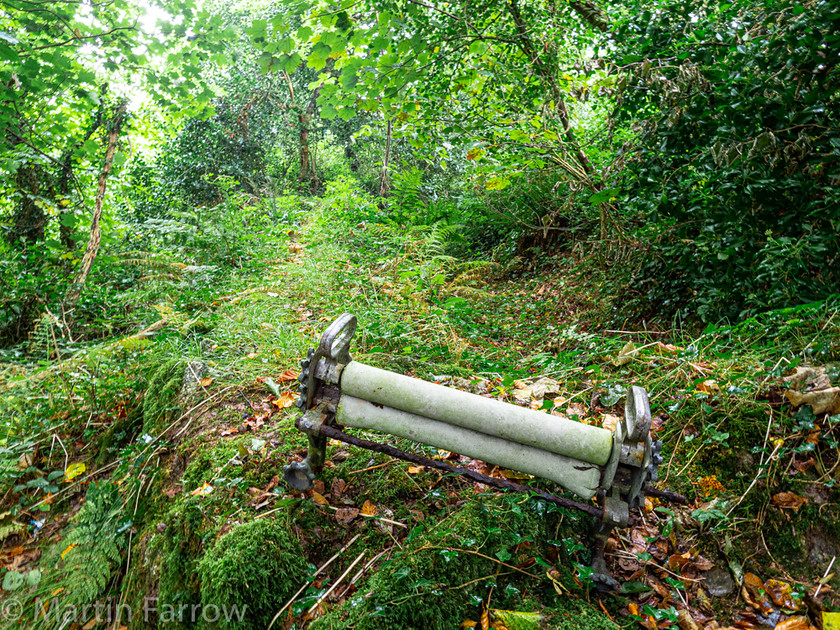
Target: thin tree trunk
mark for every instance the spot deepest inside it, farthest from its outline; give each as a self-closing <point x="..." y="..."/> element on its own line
<point x="383" y="184"/>
<point x="92" y="250"/>
<point x="589" y="172"/>
<point x="307" y="174"/>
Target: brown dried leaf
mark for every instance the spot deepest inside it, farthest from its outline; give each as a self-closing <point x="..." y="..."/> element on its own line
<point x="288" y="375"/>
<point x="346" y="515"/>
<point x="753" y="592"/>
<point x="286" y="399"/>
<point x="338" y="487"/>
<point x="788" y="501"/>
<point x="803" y="466"/>
<point x="781" y="594"/>
<point x="821" y="401"/>
<point x="678" y="561"/>
<point x="703" y="563"/>
<point x="319" y="498"/>
<point x="794" y="623"/>
<point x="685" y="621"/>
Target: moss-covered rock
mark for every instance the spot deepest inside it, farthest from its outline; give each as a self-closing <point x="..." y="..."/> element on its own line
<point x="160" y="404"/>
<point x="253" y="570"/>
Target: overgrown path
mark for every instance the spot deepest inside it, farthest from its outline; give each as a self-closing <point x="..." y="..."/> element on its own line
<point x="156" y="458"/>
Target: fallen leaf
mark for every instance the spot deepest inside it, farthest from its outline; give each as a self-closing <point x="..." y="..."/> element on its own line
<point x="68" y="550"/>
<point x="831" y="620"/>
<point x="709" y="386"/>
<point x="369" y="509"/>
<point x="205" y="381"/>
<point x="286" y="399"/>
<point x="288" y="375"/>
<point x="319" y="498"/>
<point x="685" y="622"/>
<point x="794" y="623"/>
<point x="678" y="561"/>
<point x="203" y="490"/>
<point x="808" y="378"/>
<point x="703" y="563"/>
<point x="416" y="469"/>
<point x="338" y="487"/>
<point x="627" y="352"/>
<point x="74" y="470"/>
<point x="803" y="466"/>
<point x="821" y="401"/>
<point x="781" y="594"/>
<point x="575" y="409"/>
<point x="346" y="514"/>
<point x="788" y="501"/>
<point x="753" y="592"/>
<point x="813" y="437"/>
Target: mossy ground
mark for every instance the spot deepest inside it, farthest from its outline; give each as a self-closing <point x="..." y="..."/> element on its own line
<point x="713" y="397"/>
<point x="453" y="563"/>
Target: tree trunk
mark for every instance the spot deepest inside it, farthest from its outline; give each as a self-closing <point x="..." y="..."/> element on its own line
<point x="383" y="184"/>
<point x="587" y="174"/>
<point x="30" y="220"/>
<point x="92" y="249"/>
<point x="307" y="175"/>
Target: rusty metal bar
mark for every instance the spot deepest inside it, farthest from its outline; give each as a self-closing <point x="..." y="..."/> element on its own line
<point x="504" y="484"/>
<point x="666" y="495"/>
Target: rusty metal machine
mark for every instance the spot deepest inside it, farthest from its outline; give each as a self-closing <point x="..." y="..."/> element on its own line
<point x="614" y="465"/>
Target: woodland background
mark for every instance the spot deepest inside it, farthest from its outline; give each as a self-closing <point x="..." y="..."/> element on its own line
<point x="597" y="195"/>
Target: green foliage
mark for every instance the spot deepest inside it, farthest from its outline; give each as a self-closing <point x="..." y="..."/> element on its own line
<point x="77" y="570"/>
<point x="254" y="568"/>
<point x="739" y="195"/>
<point x="94" y="543"/>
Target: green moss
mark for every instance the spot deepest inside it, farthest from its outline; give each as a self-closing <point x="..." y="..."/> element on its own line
<point x="436" y="580"/>
<point x="253" y="569"/>
<point x="160" y="402"/>
<point x="182" y="544"/>
<point x="118" y="435"/>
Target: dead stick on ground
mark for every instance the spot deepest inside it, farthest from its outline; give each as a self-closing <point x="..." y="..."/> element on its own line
<point x="355" y="472"/>
<point x="825" y="575"/>
<point x="481" y="555"/>
<point x="303" y="588"/>
<point x="338" y="581"/>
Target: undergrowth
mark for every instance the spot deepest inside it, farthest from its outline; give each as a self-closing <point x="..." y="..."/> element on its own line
<point x="173" y="490"/>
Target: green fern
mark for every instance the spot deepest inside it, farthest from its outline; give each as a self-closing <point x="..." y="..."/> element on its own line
<point x="92" y="548"/>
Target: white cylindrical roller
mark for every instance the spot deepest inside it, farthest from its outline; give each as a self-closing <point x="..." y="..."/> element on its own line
<point x="577" y="476"/>
<point x="579" y="441"/>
